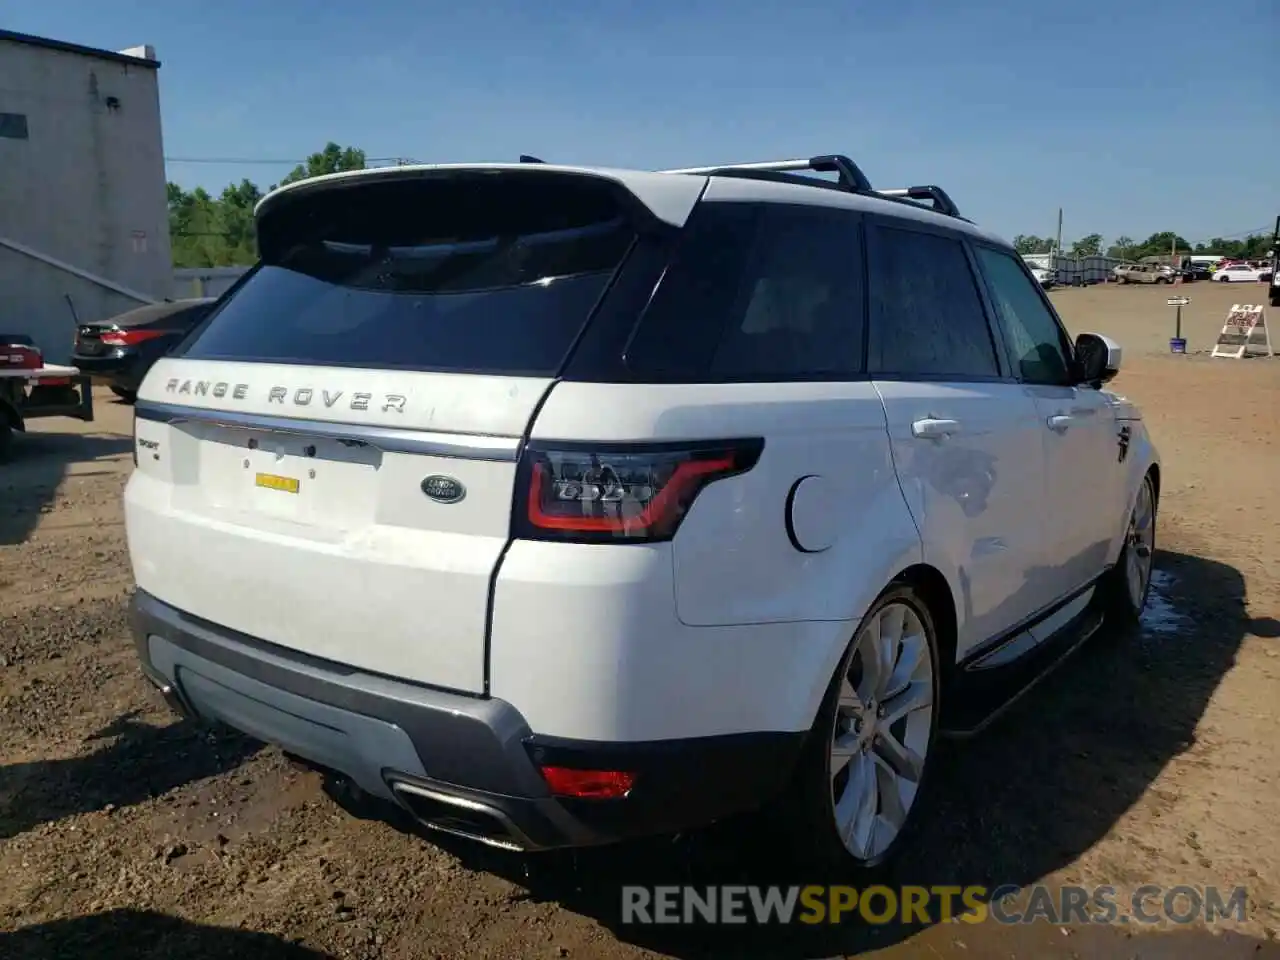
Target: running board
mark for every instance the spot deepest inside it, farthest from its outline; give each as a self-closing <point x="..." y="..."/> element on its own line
<point x="979" y="697"/>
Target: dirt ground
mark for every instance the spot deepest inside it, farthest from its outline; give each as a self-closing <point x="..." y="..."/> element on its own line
<point x="1152" y="758"/>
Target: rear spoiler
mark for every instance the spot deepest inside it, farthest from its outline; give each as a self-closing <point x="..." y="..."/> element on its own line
<point x="668" y="199"/>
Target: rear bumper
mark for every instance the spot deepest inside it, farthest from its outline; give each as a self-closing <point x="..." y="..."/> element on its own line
<point x="470" y="764"/>
<point x="119" y="370"/>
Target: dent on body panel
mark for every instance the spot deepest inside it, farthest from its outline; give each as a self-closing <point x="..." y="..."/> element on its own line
<point x="947" y="488"/>
<point x="977" y="501"/>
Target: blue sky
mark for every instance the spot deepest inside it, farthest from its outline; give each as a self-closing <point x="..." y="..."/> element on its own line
<point x="1132" y="117"/>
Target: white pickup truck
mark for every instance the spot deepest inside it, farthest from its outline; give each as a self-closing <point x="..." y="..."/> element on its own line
<point x="1045" y="277"/>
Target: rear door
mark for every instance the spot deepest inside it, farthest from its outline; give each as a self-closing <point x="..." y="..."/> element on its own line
<point x="328" y="462"/>
<point x="966" y="438"/>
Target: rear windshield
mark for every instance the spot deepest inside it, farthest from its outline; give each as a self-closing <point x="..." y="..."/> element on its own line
<point x="479" y="273"/>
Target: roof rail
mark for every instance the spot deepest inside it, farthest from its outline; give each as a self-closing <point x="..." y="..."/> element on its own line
<point x="851" y="178"/>
<point x="942" y="203"/>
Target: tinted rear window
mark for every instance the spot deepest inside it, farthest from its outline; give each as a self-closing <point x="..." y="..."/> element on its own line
<point x="483" y="273"/>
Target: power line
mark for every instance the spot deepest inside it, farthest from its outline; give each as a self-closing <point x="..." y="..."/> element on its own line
<point x="266" y="161"/>
<point x="1255" y="232"/>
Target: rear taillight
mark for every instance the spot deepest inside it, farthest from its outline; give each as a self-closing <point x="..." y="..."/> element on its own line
<point x="606" y="493"/>
<point x="129" y="338"/>
<point x="17" y="356"/>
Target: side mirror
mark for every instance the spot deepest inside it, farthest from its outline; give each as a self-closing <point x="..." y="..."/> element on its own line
<point x="1097" y="358"/>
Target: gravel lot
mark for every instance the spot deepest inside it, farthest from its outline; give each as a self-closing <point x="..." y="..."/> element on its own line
<point x="1148" y="759"/>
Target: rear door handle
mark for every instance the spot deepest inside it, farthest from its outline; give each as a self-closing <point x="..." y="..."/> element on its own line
<point x="1059" y="422"/>
<point x="932" y="429"/>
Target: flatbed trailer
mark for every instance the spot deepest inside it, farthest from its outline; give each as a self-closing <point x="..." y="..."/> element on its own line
<point x="49" y="391"/>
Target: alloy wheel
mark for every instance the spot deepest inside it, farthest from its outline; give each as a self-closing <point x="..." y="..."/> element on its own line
<point x="1140" y="552"/>
<point x="882" y="731"/>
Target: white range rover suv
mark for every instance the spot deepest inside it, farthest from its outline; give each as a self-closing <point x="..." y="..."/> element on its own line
<point x="565" y="505"/>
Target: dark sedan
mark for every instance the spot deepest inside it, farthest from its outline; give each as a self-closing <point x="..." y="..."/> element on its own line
<point x="1196" y="271"/>
<point x="121" y="350"/>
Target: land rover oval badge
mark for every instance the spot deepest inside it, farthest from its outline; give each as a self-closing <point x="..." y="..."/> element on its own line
<point x="443" y="489"/>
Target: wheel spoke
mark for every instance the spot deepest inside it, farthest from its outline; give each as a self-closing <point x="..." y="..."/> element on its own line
<point x="892" y="629"/>
<point x="913" y="650"/>
<point x="874" y="669"/>
<point x="901" y="759"/>
<point x="916" y="695"/>
<point x="863" y="785"/>
<point x="843" y="750"/>
<point x="849" y="704"/>
<point x="893" y="811"/>
<point x="1142" y="511"/>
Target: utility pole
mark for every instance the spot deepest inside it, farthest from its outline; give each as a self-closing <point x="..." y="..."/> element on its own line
<point x="1057" y="244"/>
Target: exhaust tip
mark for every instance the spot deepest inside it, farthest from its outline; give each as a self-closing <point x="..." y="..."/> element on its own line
<point x="172" y="698"/>
<point x="459" y="816"/>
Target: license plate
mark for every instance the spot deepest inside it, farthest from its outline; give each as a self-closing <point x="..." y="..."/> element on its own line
<point x="273" y="481"/>
<point x="89" y="347"/>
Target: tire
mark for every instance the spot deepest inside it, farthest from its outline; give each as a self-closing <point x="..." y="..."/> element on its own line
<point x="1275" y="299"/>
<point x="6" y="436"/>
<point x="126" y="396"/>
<point x="1127" y="585"/>
<point x="819" y="811"/>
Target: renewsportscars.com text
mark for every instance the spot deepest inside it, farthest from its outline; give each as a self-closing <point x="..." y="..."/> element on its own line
<point x="1148" y="904"/>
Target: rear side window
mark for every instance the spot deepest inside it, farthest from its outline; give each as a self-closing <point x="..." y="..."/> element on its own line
<point x="757" y="292"/>
<point x="486" y="273"/>
<point x="927" y="317"/>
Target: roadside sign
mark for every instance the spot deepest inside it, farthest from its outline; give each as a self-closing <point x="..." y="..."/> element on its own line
<point x="1245" y="334"/>
<point x="1178" y="301"/>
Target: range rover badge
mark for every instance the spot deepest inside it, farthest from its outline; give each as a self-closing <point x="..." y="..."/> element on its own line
<point x="443" y="489"/>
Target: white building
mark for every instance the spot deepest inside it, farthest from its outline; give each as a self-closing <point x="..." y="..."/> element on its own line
<point x="83" y="212"/>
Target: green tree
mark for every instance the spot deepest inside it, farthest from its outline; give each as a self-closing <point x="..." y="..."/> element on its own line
<point x="1254" y="246"/>
<point x="1122" y="249"/>
<point x="1030" y="243"/>
<point x="209" y="231"/>
<point x="1087" y="246"/>
<point x="197" y="229"/>
<point x="332" y="159"/>
<point x="236" y="211"/>
<point x="1161" y="245"/>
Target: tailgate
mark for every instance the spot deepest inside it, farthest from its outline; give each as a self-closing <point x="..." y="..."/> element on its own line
<point x="319" y="536"/>
<point x="329" y="462"/>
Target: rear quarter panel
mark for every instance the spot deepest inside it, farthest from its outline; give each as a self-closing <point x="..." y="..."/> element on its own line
<point x="742" y="630"/>
<point x="735" y="562"/>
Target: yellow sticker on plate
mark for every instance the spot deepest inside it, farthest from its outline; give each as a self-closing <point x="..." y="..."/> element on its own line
<point x="273" y="482"/>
